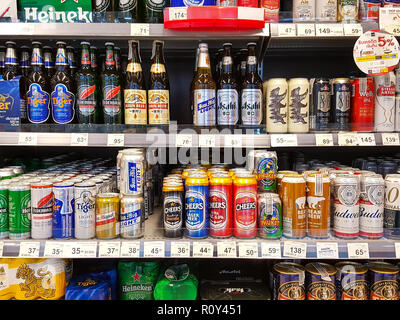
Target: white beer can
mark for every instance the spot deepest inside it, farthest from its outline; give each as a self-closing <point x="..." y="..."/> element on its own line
<point x="299" y="104"/>
<point x="85" y="210"/>
<point x="304" y="10"/>
<point x="277" y="105"/>
<point x="385" y="93"/>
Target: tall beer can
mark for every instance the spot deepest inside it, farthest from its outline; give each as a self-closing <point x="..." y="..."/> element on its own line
<point x="266" y="169"/>
<point x="385" y="92"/>
<point x="19" y="202"/>
<point x="392" y="206"/>
<point x="320" y="104"/>
<point x="132" y="172"/>
<point x="341" y="100"/>
<point x="119" y="156"/>
<point x="304" y="10"/>
<point x="132" y="217"/>
<point x="347" y="11"/>
<point x="369" y="10"/>
<point x="4" y="224"/>
<point x="326" y="10"/>
<point x="362" y="104"/>
<point x="63" y="210"/>
<point x="277" y="105"/>
<point x="85" y="210"/>
<point x="173" y="208"/>
<point x="107" y="215"/>
<point x="299" y="100"/>
<point x="42" y="210"/>
<point x="269" y="214"/>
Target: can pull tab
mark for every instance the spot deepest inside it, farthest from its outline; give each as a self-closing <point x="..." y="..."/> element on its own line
<point x="363" y="85"/>
<point x="301" y="273"/>
<point x="268" y="206"/>
<point x="318" y="184"/>
<point x="322" y="271"/>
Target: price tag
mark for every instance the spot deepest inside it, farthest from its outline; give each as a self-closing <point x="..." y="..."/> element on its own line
<point x="1" y="248"/>
<point x="358" y="250"/>
<point x="79" y="139"/>
<point x="397" y="249"/>
<point x="140" y="29"/>
<point x="226" y="249"/>
<point x="286" y="30"/>
<point x="366" y="139"/>
<point x="109" y="249"/>
<point x="115" y="140"/>
<point x="294" y="249"/>
<point x="233" y="141"/>
<point x="154" y="249"/>
<point x="80" y="249"/>
<point x="329" y="30"/>
<point x="352" y="29"/>
<point x="393" y="29"/>
<point x="180" y="249"/>
<point x="29" y="249"/>
<point x="266" y="30"/>
<point x="347" y="139"/>
<point x="390" y="139"/>
<point x="248" y="250"/>
<point x="271" y="250"/>
<point x="54" y="249"/>
<point x="283" y="140"/>
<point x="305" y="30"/>
<point x="388" y="20"/>
<point x="203" y="250"/>
<point x="206" y="141"/>
<point x="130" y="249"/>
<point x="184" y="140"/>
<point x="178" y="13"/>
<point x="327" y="250"/>
<point x="27" y="139"/>
<point x="324" y="140"/>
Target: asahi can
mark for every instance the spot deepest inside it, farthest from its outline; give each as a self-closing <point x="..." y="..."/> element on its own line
<point x="369" y="10"/>
<point x="304" y="10"/>
<point x="42" y="210"/>
<point x="277" y="105"/>
<point x="299" y="99"/>
<point x="385" y="92"/>
<point x="4" y="224"/>
<point x="351" y="281"/>
<point x="107" y="215"/>
<point x="392" y="206"/>
<point x="341" y="99"/>
<point x="288" y="281"/>
<point x="326" y="10"/>
<point x="269" y="215"/>
<point x="362" y="104"/>
<point x="320" y="281"/>
<point x="173" y="208"/>
<point x="132" y="217"/>
<point x="383" y="281"/>
<point x="132" y="172"/>
<point x="347" y="11"/>
<point x="19" y="202"/>
<point x="85" y="210"/>
<point x="63" y="210"/>
<point x="320" y="104"/>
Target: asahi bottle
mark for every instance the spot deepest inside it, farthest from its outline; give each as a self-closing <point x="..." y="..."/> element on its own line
<point x="251" y="95"/>
<point x="48" y="61"/>
<point x="227" y="94"/>
<point x="37" y="95"/>
<point x="135" y="91"/>
<point x="63" y="87"/>
<point x="127" y="11"/>
<point x="104" y="11"/>
<point x="86" y="102"/>
<point x="11" y="65"/>
<point x="153" y="10"/>
<point x="111" y="89"/>
<point x="158" y="94"/>
<point x="25" y="67"/>
<point x="72" y="61"/>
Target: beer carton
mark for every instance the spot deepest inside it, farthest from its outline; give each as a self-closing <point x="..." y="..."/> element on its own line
<point x="56" y="11"/>
<point x="8" y="11"/>
<point x="9" y="105"/>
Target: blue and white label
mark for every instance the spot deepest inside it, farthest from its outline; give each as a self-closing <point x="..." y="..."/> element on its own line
<point x="63" y="104"/>
<point x="205" y="107"/>
<point x="129" y="219"/>
<point x="133" y="177"/>
<point x="196" y="212"/>
<point x="192" y="3"/>
<point x="38" y="104"/>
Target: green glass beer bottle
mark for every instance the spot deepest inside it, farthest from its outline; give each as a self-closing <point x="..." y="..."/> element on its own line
<point x="153" y="10"/>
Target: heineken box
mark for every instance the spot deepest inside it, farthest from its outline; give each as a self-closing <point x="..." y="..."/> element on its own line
<point x="55" y="11"/>
<point x="8" y="11"/>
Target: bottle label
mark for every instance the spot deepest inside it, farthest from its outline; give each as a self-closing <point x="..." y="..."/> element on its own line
<point x="134" y="67"/>
<point x="127" y="5"/>
<point x="226" y="61"/>
<point x="61" y="59"/>
<point x="63" y="104"/>
<point x="38" y="102"/>
<point x="172" y="213"/>
<point x="228" y="106"/>
<point x="158" y="107"/>
<point x="135" y="106"/>
<point x="86" y="99"/>
<point x="157" y="68"/>
<point x="36" y="59"/>
<point x="112" y="100"/>
<point x="204" y="107"/>
<point x="23" y="108"/>
<point x="251" y="60"/>
<point x="251" y="106"/>
<point x="204" y="60"/>
<point x="85" y="60"/>
<point x="155" y="5"/>
<point x="102" y="5"/>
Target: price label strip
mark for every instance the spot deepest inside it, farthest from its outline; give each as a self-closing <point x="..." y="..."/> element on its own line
<point x="327" y="250"/>
<point x="203" y="250"/>
<point x="352" y="29"/>
<point x="286" y="30"/>
<point x="206" y="141"/>
<point x="154" y="249"/>
<point x="324" y="140"/>
<point x="347" y="139"/>
<point x="226" y="249"/>
<point x="177" y="13"/>
<point x="130" y="249"/>
<point x="80" y="249"/>
<point x="305" y="30"/>
<point x="180" y="249"/>
<point x="115" y="140"/>
<point x="329" y="30"/>
<point x="390" y="139"/>
<point x="27" y="139"/>
<point x="54" y="249"/>
<point x="358" y="250"/>
<point x="366" y="139"/>
<point x="248" y="250"/>
<point x="284" y="140"/>
<point x="294" y="249"/>
<point x="109" y="249"/>
<point x="271" y="250"/>
<point x="80" y="139"/>
<point x="233" y="141"/>
<point x="184" y="140"/>
<point x="29" y="249"/>
<point x="140" y="29"/>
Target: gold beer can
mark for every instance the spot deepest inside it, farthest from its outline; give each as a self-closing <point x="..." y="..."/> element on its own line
<point x="107" y="215"/>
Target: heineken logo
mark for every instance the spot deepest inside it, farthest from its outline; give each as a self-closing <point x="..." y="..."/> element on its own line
<point x="136" y="276"/>
<point x="137" y="287"/>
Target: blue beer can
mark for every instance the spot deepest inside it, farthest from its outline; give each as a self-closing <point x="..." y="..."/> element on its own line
<point x="63" y="210"/>
<point x="192" y="3"/>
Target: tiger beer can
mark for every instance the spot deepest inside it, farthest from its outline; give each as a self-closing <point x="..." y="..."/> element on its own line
<point x="351" y="281"/>
<point x="85" y="210"/>
<point x="326" y="10"/>
<point x="385" y="101"/>
<point x="320" y="104"/>
<point x="132" y="172"/>
<point x="42" y="210"/>
<point x="269" y="215"/>
<point x="304" y="10"/>
<point x="299" y="101"/>
<point x="392" y="206"/>
<point x="266" y="169"/>
<point x="277" y="105"/>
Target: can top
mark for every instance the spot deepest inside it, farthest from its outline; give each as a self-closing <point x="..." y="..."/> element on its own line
<point x="346" y="179"/>
<point x="319" y="268"/>
<point x="19" y="187"/>
<point x="289" y="268"/>
<point x="267" y="195"/>
<point x="341" y="80"/>
<point x="351" y="267"/>
<point x="131" y="198"/>
<point x="42" y="184"/>
<point x="372" y="178"/>
<point x="294" y="178"/>
<point x="108" y="195"/>
<point x="392" y="177"/>
<point x="197" y="179"/>
<point x="312" y="177"/>
<point x="298" y="80"/>
<point x="245" y="179"/>
<point x="172" y="186"/>
<point x="85" y="184"/>
<point x="63" y="184"/>
<point x="277" y="79"/>
<point x="383" y="267"/>
<point x="221" y="178"/>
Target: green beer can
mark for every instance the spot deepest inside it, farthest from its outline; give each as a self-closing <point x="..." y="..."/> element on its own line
<point x="3" y="210"/>
<point x="6" y="174"/>
<point x="19" y="202"/>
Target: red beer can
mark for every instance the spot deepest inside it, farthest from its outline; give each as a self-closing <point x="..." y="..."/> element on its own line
<point x="245" y="206"/>
<point x="248" y="3"/>
<point x="220" y="204"/>
<point x="362" y="104"/>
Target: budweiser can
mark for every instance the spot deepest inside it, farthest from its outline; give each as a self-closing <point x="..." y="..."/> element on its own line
<point x="369" y="10"/>
<point x="326" y="10"/>
<point x="299" y="99"/>
<point x="385" y="92"/>
<point x="392" y="206"/>
<point x="269" y="213"/>
<point x="304" y="10"/>
<point x="42" y="210"/>
<point x="271" y="10"/>
<point x="294" y="206"/>
<point x="362" y="104"/>
<point x="346" y="206"/>
<point x="277" y="105"/>
<point x="372" y="199"/>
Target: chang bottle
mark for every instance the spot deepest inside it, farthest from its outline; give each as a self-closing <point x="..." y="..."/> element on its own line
<point x="104" y="10"/>
<point x="86" y="99"/>
<point x="25" y="66"/>
<point x="158" y="94"/>
<point x="48" y="61"/>
<point x="128" y="11"/>
<point x="135" y="90"/>
<point x="11" y="65"/>
<point x="111" y="89"/>
<point x="153" y="10"/>
<point x="63" y="87"/>
<point x="37" y="95"/>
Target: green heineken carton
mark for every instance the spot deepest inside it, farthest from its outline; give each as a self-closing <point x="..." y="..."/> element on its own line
<point x="55" y="11"/>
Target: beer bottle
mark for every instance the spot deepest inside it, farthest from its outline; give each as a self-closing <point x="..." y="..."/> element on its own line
<point x="204" y="91"/>
<point x="62" y="86"/>
<point x="251" y="95"/>
<point x="11" y="66"/>
<point x="153" y="10"/>
<point x="135" y="90"/>
<point x="23" y="82"/>
<point x="25" y="60"/>
<point x="86" y="100"/>
<point x="37" y="95"/>
<point x="111" y="89"/>
<point x="2" y="59"/>
<point x="242" y="64"/>
<point x="104" y="11"/>
<point x="192" y="83"/>
<point x="227" y="94"/>
<point x="127" y="11"/>
<point x="158" y="100"/>
<point x="71" y="60"/>
<point x="48" y="61"/>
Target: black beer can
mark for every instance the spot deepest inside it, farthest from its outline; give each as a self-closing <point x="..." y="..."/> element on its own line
<point x="341" y="95"/>
<point x="320" y="108"/>
<point x="173" y="209"/>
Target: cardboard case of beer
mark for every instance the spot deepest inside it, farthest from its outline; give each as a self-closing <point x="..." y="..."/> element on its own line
<point x="66" y="11"/>
<point x="8" y="11"/>
<point x="10" y="104"/>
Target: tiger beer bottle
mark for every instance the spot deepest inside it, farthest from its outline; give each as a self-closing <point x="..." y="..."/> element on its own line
<point x="25" y="66"/>
<point x="11" y="66"/>
<point x="158" y="99"/>
<point x="2" y="59"/>
<point x="48" y="61"/>
<point x="135" y="91"/>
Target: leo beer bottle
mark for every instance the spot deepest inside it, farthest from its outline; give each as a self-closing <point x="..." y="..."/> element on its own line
<point x="104" y="10"/>
<point x="23" y="82"/>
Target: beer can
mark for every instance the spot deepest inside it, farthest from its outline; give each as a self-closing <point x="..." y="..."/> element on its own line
<point x="299" y="99"/>
<point x="279" y="178"/>
<point x="269" y="213"/>
<point x="132" y="172"/>
<point x="107" y="215"/>
<point x="369" y="10"/>
<point x="271" y="10"/>
<point x="173" y="209"/>
<point x="225" y="3"/>
<point x="347" y="11"/>
<point x="265" y="169"/>
<point x="320" y="108"/>
<point x="42" y="210"/>
<point x="362" y="104"/>
<point x="320" y="281"/>
<point x="220" y="204"/>
<point x="132" y="217"/>
<point x="304" y="10"/>
<point x="63" y="210"/>
<point x="19" y="206"/>
<point x="294" y="206"/>
<point x="6" y="174"/>
<point x="392" y="206"/>
<point x="318" y="205"/>
<point x="277" y="105"/>
<point x="4" y="224"/>
<point x="18" y="170"/>
<point x="341" y="99"/>
<point x="85" y="210"/>
<point x="351" y="281"/>
<point x="385" y="93"/>
<point x="383" y="281"/>
<point x="288" y="281"/>
<point x="326" y="10"/>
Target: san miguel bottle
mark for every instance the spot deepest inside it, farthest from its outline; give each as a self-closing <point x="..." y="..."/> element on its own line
<point x="86" y="99"/>
<point x="158" y="94"/>
<point x="37" y="96"/>
<point x="62" y="86"/>
<point x="48" y="61"/>
<point x="111" y="89"/>
<point x="25" y="66"/>
<point x="135" y="91"/>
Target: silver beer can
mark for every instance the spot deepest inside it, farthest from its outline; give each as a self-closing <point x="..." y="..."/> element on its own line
<point x="85" y="210"/>
<point x="133" y="167"/>
<point x="132" y="217"/>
